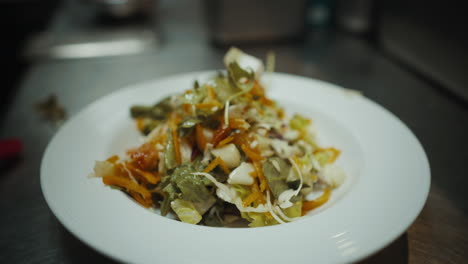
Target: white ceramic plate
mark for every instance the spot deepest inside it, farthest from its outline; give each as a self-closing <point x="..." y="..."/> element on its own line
<point x="386" y="188"/>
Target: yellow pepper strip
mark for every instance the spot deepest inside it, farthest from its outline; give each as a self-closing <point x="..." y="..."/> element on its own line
<point x="225" y="141"/>
<point x="310" y="205"/>
<point x="127" y="184"/>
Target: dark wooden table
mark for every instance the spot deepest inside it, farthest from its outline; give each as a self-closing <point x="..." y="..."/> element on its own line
<point x="30" y="233"/>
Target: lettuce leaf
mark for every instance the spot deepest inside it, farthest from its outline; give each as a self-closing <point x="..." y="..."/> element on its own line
<point x="258" y="219"/>
<point x="186" y="211"/>
<point x="276" y="178"/>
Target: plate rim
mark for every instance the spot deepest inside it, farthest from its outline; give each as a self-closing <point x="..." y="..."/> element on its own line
<point x="130" y="87"/>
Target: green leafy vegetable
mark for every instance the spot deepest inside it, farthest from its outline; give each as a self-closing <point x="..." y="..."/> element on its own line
<point x="295" y="210"/>
<point x="159" y="111"/>
<point x="276" y="171"/>
<point x="298" y="122"/>
<point x="187" y="125"/>
<point x="169" y="158"/>
<point x="258" y="219"/>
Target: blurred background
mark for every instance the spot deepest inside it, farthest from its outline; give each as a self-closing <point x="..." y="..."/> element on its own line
<point x="60" y="55"/>
<point x="426" y="37"/>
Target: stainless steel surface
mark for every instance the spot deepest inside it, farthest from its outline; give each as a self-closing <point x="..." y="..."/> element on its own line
<point x="31" y="234"/>
<point x="241" y="21"/>
<point x="81" y="29"/>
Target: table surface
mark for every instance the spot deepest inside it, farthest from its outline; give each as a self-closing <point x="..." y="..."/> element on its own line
<point x="30" y="233"/>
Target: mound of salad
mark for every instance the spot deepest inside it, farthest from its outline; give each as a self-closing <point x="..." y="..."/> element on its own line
<point x="224" y="154"/>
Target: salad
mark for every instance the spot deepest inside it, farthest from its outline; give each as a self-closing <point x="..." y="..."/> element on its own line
<point x="224" y="154"/>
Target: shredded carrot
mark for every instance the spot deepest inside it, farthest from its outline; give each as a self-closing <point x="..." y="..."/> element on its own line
<point x="264" y="100"/>
<point x="211" y="93"/>
<point x="280" y="113"/>
<point x="200" y="137"/>
<point x="187" y="108"/>
<point x="261" y="199"/>
<point x="208" y="105"/>
<point x="211" y="166"/>
<point x="225" y="141"/>
<point x="113" y="159"/>
<point x="334" y="153"/>
<point x="127" y="184"/>
<point x="217" y="162"/>
<point x="261" y="177"/>
<point x="237" y="123"/>
<point x="253" y="196"/>
<point x="146" y="175"/>
<point x="220" y="134"/>
<point x="253" y="174"/>
<point x="223" y="166"/>
<point x="175" y="138"/>
<point x="139" y="123"/>
<point x="251" y="153"/>
<point x="257" y="90"/>
<point x="143" y="202"/>
<point x="310" y="205"/>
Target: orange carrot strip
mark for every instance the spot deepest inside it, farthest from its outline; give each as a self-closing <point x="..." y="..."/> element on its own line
<point x="140" y="200"/>
<point x="208" y="105"/>
<point x="217" y="162"/>
<point x="187" y="108"/>
<point x="212" y="165"/>
<point x="223" y="166"/>
<point x="310" y="205"/>
<point x="261" y="199"/>
<point x="250" y="198"/>
<point x="220" y="134"/>
<point x="252" y="154"/>
<point x="211" y="93"/>
<point x="225" y="141"/>
<point x="254" y="174"/>
<point x="257" y="90"/>
<point x="200" y="137"/>
<point x="237" y="123"/>
<point x="175" y="138"/>
<point x="264" y="100"/>
<point x="127" y="184"/>
<point x="139" y="123"/>
<point x="261" y="177"/>
<point x="147" y="176"/>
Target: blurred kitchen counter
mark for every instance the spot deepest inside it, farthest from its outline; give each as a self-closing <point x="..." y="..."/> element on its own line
<point x="30" y="232"/>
